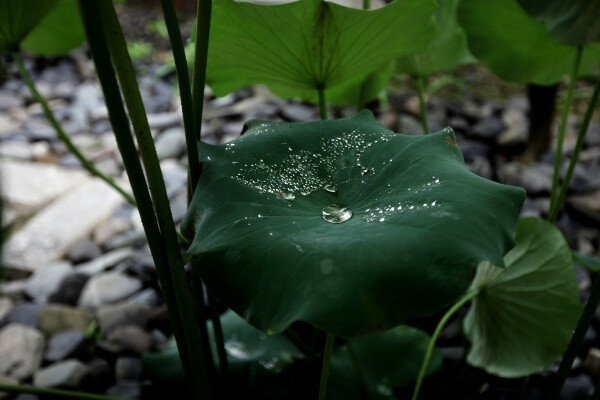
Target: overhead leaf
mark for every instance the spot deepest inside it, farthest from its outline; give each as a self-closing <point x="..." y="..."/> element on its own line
<point x="524" y="316"/>
<point x="571" y="22"/>
<point x="18" y="18"/>
<point x="515" y="46"/>
<point x="590" y="262"/>
<point x="385" y="361"/>
<point x="59" y="32"/>
<point x="343" y="224"/>
<point x="297" y="47"/>
<point x="446" y="51"/>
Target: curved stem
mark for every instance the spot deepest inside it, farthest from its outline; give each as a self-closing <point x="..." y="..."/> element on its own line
<point x="562" y="128"/>
<point x="322" y="103"/>
<point x="438" y="330"/>
<point x="59" y="393"/>
<point x="575" y="157"/>
<point x="422" y="105"/>
<point x="85" y="163"/>
<point x="583" y="325"/>
<point x="185" y="93"/>
<point x="326" y="366"/>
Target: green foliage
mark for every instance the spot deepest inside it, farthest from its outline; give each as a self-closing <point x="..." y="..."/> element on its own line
<point x="299" y="47"/>
<point x="46" y="27"/>
<point x="524" y="316"/>
<point x="515" y="46"/>
<point x="571" y="22"/>
<point x="59" y="32"/>
<point x="386" y="361"/>
<point x="590" y="262"/>
<point x="139" y="50"/>
<point x="259" y="225"/>
<point x="446" y="51"/>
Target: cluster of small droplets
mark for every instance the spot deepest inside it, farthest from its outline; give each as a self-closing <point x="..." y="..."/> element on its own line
<point x="303" y="172"/>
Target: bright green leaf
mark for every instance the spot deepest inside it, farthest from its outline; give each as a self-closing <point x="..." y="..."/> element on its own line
<point x="590" y="262"/>
<point x="420" y="223"/>
<point x="59" y="32"/>
<point x="515" y="46"/>
<point x="572" y="22"/>
<point x="446" y="51"/>
<point x="297" y="47"/>
<point x="524" y="317"/>
<point x="18" y="18"/>
<point x="386" y="361"/>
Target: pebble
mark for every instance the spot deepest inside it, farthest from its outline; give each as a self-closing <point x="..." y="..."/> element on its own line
<point x="16" y="149"/>
<point x="298" y="112"/>
<point x="587" y="204"/>
<point x="128" y="369"/>
<point x="63" y="345"/>
<point x="21" y="349"/>
<point x="55" y="318"/>
<point x="170" y="143"/>
<point x="98" y="376"/>
<point x="162" y="121"/>
<point x="578" y="387"/>
<point x="517" y="128"/>
<point x="47" y="280"/>
<point x="536" y="179"/>
<point x="104" y="262"/>
<point x="61" y="374"/>
<point x="128" y="313"/>
<point x="83" y="250"/>
<point x="5" y="380"/>
<point x="24" y="313"/>
<point x="8" y="100"/>
<point x="110" y="228"/>
<point x="106" y="288"/>
<point x="487" y="128"/>
<point x="129" y="338"/>
<point x="6" y="305"/>
<point x="69" y="290"/>
<point x="126" y="390"/>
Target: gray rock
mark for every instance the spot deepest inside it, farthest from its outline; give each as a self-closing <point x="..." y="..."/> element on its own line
<point x="48" y="235"/>
<point x="126" y="390"/>
<point x="21" y="349"/>
<point x="577" y="388"/>
<point x="128" y="369"/>
<point x="517" y="128"/>
<point x="162" y="121"/>
<point x="112" y="316"/>
<point x="61" y="374"/>
<point x="5" y="380"/>
<point x="46" y="280"/>
<point x="110" y="228"/>
<point x="14" y="290"/>
<point x="592" y="138"/>
<point x="104" y="262"/>
<point x="9" y="100"/>
<point x="298" y="112"/>
<point x="106" y="288"/>
<point x="6" y="305"/>
<point x="63" y="345"/>
<point x="481" y="166"/>
<point x="24" y="396"/>
<point x="588" y="204"/>
<point x="148" y="296"/>
<point x="170" y="143"/>
<point x="69" y="290"/>
<point x="98" y="377"/>
<point x="128" y="239"/>
<point x="487" y="128"/>
<point x="175" y="177"/>
<point x="55" y="318"/>
<point x="535" y="179"/>
<point x="25" y="314"/>
<point x="16" y="149"/>
<point x="129" y="338"/>
<point x="179" y="207"/>
<point x="83" y="250"/>
<point x="410" y="125"/>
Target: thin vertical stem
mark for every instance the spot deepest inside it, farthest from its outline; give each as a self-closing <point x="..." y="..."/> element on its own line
<point x="422" y="105"/>
<point x="185" y="93"/>
<point x="576" y="341"/>
<point x="366" y="4"/>
<point x="575" y="156"/>
<point x="200" y="62"/>
<point x="326" y="366"/>
<point x="85" y="163"/>
<point x="438" y="330"/>
<point x="322" y="103"/>
<point x="562" y="128"/>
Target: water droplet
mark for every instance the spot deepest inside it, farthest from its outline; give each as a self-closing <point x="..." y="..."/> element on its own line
<point x="237" y="349"/>
<point x="260" y="216"/>
<point x="330" y="188"/>
<point x="287" y="196"/>
<point x="336" y="214"/>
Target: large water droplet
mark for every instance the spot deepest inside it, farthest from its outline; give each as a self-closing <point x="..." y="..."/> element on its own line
<point x="336" y="214"/>
<point x="330" y="188"/>
<point x="236" y="349"/>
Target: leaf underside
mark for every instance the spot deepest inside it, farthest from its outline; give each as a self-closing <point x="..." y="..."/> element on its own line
<point x="420" y="224"/>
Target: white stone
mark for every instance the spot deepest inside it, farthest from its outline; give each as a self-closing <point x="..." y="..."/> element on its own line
<point x="64" y="373"/>
<point x="105" y="261"/>
<point x="48" y="235"/>
<point x="21" y="349"/>
<point x="6" y="306"/>
<point x="46" y="280"/>
<point x="107" y="288"/>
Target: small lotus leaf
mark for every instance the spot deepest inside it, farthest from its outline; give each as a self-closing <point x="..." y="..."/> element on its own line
<point x="525" y="314"/>
<point x="343" y="224"/>
<point x="18" y="18"/>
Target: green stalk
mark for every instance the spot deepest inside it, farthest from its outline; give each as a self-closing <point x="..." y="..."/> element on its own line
<point x="366" y="4"/>
<point x="562" y="128"/>
<point x="100" y="19"/>
<point x="185" y="92"/>
<point x="575" y="157"/>
<point x="322" y="103"/>
<point x="360" y="375"/>
<point x="576" y="341"/>
<point x="326" y="366"/>
<point x="200" y="62"/>
<point x="58" y="393"/>
<point x="438" y="330"/>
<point x="422" y="105"/>
<point x="85" y="163"/>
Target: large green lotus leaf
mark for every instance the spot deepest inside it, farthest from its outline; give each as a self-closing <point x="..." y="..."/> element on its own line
<point x="515" y="46"/>
<point x="446" y="51"/>
<point x="297" y="47"/>
<point x="524" y="317"/>
<point x="249" y="351"/>
<point x="18" y="18"/>
<point x="59" y="32"/>
<point x="386" y="361"/>
<point x="419" y="224"/>
<point x="571" y="22"/>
